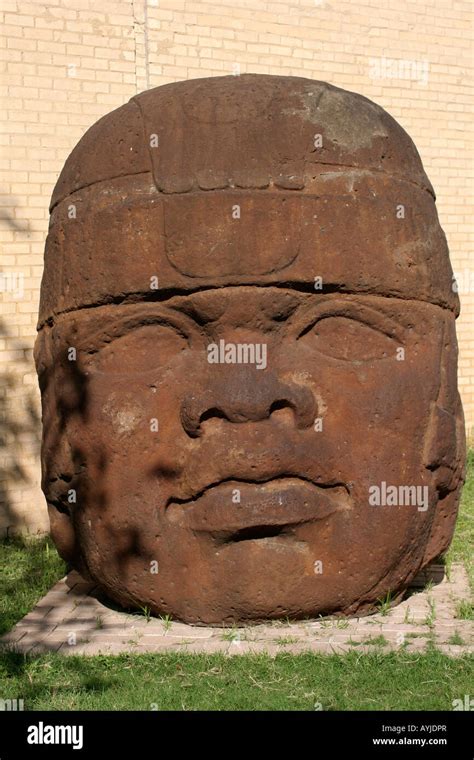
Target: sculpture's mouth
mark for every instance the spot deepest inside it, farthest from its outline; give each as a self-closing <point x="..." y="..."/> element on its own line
<point x="235" y="510"/>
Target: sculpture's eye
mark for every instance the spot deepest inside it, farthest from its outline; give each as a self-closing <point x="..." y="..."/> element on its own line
<point x="348" y="339"/>
<point x="140" y="350"/>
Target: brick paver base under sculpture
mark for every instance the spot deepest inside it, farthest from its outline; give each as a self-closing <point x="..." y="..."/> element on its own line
<point x="73" y="619"/>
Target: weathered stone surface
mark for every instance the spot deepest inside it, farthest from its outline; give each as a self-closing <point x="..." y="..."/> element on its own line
<point x="213" y="446"/>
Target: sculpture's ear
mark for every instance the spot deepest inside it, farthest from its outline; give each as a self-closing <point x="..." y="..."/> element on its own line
<point x="57" y="466"/>
<point x="445" y="448"/>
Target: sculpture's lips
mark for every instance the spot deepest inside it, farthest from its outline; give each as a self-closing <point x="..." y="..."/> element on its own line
<point x="266" y="507"/>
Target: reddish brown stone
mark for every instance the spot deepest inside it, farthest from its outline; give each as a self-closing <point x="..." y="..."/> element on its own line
<point x="294" y="234"/>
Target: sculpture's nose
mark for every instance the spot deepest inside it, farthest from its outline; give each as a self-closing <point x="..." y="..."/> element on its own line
<point x="243" y="394"/>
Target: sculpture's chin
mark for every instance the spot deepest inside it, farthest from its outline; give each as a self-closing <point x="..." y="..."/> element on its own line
<point x="63" y="534"/>
<point x="261" y="573"/>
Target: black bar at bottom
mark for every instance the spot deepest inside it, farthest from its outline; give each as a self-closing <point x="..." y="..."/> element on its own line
<point x="151" y="734"/>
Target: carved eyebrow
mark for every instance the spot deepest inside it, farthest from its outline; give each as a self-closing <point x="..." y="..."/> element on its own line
<point x="373" y="317"/>
<point x="114" y="328"/>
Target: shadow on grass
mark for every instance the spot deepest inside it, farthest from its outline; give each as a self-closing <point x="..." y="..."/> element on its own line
<point x="28" y="569"/>
<point x="42" y="675"/>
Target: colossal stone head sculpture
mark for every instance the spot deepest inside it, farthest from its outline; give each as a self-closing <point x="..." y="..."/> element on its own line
<point x="247" y="354"/>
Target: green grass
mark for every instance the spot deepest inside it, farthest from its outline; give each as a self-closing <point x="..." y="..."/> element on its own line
<point x="28" y="569"/>
<point x="463" y="540"/>
<point x="231" y="634"/>
<point x="286" y="640"/>
<point x="384" y="604"/>
<point x="166" y="621"/>
<point x="465" y="610"/>
<point x="431" y="617"/>
<point x="375" y="641"/>
<point x="146" y="612"/>
<point x="456" y="639"/>
<point x="354" y="681"/>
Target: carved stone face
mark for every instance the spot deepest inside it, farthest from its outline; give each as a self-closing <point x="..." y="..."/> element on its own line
<point x="249" y="441"/>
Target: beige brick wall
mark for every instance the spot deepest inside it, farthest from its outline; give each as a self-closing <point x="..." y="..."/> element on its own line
<point x="65" y="63"/>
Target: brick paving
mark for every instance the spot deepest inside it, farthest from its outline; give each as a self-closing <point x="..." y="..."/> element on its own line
<point x="72" y="619"/>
